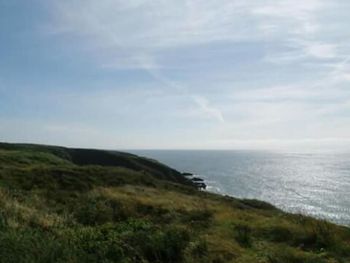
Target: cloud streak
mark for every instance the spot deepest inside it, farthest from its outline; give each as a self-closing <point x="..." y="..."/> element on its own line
<point x="198" y="71"/>
<point x="208" y="110"/>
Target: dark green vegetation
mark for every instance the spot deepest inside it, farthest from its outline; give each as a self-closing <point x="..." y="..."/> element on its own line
<point x="71" y="205"/>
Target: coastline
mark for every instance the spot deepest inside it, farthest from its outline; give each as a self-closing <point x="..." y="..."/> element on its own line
<point x="312" y="184"/>
<point x="84" y="205"/>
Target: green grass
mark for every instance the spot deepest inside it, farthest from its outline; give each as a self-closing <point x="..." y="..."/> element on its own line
<point x="65" y="205"/>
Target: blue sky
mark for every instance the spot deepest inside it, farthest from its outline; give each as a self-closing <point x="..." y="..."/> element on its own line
<point x="186" y="74"/>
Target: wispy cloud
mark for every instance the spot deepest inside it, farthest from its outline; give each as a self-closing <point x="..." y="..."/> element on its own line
<point x="208" y="110"/>
<point x="245" y="70"/>
<point x="320" y="50"/>
<point x="138" y="34"/>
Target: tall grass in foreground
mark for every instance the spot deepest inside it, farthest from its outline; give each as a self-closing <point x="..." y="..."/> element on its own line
<point x="52" y="210"/>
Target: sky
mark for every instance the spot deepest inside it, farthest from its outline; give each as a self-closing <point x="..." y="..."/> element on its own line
<point x="184" y="74"/>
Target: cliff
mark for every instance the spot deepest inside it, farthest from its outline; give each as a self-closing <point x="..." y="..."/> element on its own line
<point x="82" y="205"/>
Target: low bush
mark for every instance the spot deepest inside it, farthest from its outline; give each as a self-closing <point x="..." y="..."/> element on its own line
<point x="167" y="246"/>
<point x="96" y="210"/>
<point x="199" y="250"/>
<point x="242" y="234"/>
<point x="284" y="254"/>
<point x="276" y="233"/>
<point x="197" y="218"/>
<point x="257" y="204"/>
<point x="22" y="246"/>
<point x="315" y="235"/>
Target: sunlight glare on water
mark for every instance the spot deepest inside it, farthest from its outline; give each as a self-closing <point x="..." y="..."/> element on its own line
<point x="312" y="184"/>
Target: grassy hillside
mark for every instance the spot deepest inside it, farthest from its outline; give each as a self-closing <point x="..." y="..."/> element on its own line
<point x="75" y="205"/>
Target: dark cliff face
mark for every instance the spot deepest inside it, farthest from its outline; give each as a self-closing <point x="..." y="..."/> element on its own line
<point x="89" y="157"/>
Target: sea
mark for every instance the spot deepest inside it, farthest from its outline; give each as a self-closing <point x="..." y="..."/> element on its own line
<point x="315" y="184"/>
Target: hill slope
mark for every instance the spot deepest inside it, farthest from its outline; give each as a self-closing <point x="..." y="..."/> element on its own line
<point x="78" y="205"/>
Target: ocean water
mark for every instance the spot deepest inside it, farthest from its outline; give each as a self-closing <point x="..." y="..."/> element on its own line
<point x="311" y="184"/>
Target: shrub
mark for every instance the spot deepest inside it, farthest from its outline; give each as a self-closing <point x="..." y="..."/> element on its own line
<point x="95" y="244"/>
<point x="150" y="210"/>
<point x="257" y="204"/>
<point x="242" y="234"/>
<point x="197" y="218"/>
<point x="317" y="235"/>
<point x="167" y="246"/>
<point x="283" y="254"/>
<point x="94" y="210"/>
<point x="3" y="221"/>
<point x="277" y="233"/>
<point x="324" y="235"/>
<point x="19" y="246"/>
<point x="199" y="249"/>
<point x="156" y="245"/>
